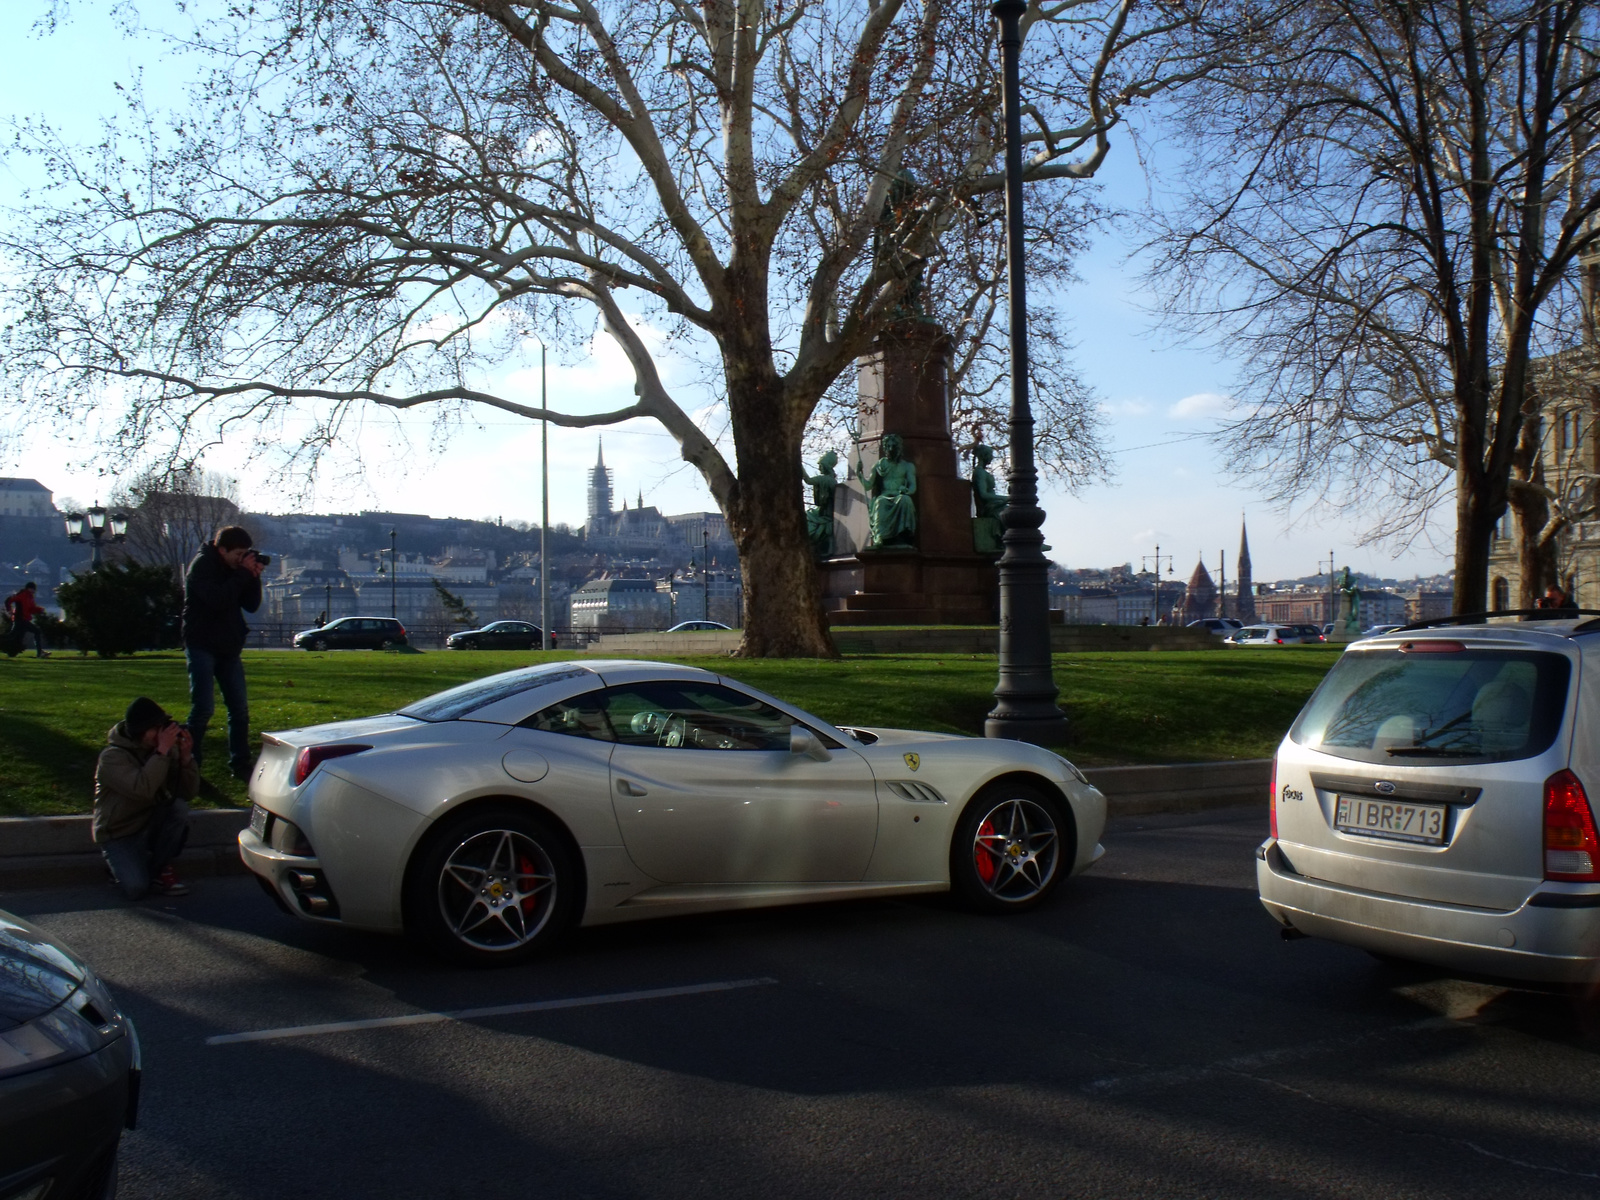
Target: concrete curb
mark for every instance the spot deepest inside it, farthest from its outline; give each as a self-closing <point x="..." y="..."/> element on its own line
<point x="55" y="851"/>
<point x="1182" y="787"/>
<point x="58" y="851"/>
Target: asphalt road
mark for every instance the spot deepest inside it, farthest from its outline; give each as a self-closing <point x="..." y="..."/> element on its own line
<point x="1146" y="1034"/>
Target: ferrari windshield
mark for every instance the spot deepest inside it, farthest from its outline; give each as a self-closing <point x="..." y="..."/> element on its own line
<point x="467" y="698"/>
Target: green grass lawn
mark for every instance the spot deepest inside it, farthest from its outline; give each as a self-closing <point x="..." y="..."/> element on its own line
<point x="1135" y="707"/>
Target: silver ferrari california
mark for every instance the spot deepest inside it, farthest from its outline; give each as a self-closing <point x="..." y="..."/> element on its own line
<point x="491" y="818"/>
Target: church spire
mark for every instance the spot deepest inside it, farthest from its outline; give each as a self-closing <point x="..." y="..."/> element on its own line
<point x="1246" y="607"/>
<point x="600" y="456"/>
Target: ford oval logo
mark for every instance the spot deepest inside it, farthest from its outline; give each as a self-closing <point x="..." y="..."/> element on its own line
<point x="1383" y="787"/>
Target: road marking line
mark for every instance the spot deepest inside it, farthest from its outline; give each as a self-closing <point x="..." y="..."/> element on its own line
<point x="470" y="1014"/>
<point x="1244" y="1063"/>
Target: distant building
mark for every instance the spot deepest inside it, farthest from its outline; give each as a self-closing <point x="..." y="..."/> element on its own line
<point x="620" y="606"/>
<point x="599" y="493"/>
<point x="1244" y="606"/>
<point x="1199" y="598"/>
<point x="25" y="498"/>
<point x="706" y="596"/>
<point x="1427" y="606"/>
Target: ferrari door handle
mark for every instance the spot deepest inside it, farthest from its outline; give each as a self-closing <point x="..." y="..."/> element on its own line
<point x="631" y="789"/>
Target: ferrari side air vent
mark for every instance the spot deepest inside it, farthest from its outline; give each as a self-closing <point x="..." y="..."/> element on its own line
<point x="917" y="793"/>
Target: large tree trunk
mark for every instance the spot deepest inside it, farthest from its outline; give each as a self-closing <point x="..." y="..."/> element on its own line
<point x="1475" y="519"/>
<point x="1536" y="548"/>
<point x="782" y="602"/>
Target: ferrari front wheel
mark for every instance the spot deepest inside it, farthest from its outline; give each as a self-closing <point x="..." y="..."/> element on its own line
<point x="1009" y="847"/>
<point x="494" y="887"/>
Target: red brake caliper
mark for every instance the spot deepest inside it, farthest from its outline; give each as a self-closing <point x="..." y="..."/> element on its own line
<point x="525" y="866"/>
<point x="982" y="856"/>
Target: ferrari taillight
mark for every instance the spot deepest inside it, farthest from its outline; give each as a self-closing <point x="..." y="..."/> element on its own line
<point x="312" y="755"/>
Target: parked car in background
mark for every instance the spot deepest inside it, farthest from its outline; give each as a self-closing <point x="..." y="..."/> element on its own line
<point x="1376" y="630"/>
<point x="1310" y="634"/>
<point x="1432" y="802"/>
<point x="1219" y="626"/>
<point x="69" y="1071"/>
<point x="1264" y="635"/>
<point x="499" y="635"/>
<point x="696" y="626"/>
<point x="354" y="633"/>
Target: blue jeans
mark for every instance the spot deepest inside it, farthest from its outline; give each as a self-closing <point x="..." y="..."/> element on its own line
<point x="227" y="673"/>
<point x="138" y="858"/>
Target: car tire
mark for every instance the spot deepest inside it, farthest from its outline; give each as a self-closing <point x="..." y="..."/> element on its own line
<point x="1011" y="847"/>
<point x="531" y="889"/>
<point x="316" y="645"/>
<point x="386" y="644"/>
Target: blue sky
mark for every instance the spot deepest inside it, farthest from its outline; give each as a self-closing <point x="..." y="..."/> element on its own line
<point x="1171" y="486"/>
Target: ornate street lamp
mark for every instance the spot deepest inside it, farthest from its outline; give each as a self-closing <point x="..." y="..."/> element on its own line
<point x="1025" y="698"/>
<point x="96" y="527"/>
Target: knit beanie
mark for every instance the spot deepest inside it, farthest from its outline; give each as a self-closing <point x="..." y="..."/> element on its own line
<point x="144" y="714"/>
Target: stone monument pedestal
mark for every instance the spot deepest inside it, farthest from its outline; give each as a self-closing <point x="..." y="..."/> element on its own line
<point x="943" y="581"/>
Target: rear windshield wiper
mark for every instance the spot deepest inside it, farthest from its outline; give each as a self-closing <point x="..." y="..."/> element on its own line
<point x="1429" y="752"/>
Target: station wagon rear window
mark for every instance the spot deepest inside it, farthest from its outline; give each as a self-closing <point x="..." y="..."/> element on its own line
<point x="1459" y="706"/>
<point x="457" y="702"/>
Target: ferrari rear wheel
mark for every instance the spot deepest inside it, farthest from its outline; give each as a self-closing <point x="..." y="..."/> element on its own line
<point x="1008" y="849"/>
<point x="494" y="887"/>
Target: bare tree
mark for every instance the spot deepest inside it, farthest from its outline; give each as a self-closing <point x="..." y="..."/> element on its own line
<point x="171" y="514"/>
<point x="375" y="201"/>
<point x="1390" y="199"/>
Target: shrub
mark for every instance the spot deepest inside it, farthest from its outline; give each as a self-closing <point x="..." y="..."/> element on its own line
<point x="121" y="608"/>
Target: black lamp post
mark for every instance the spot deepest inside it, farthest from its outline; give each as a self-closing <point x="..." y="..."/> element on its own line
<point x="394" y="576"/>
<point x="1025" y="698"/>
<point x="96" y="527"/>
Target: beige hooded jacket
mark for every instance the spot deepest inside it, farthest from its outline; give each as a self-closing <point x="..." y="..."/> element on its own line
<point x="131" y="779"/>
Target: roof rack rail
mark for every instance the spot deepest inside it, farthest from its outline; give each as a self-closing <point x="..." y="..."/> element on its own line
<point x="1482" y="618"/>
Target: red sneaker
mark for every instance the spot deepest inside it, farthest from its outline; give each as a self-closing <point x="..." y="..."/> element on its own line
<point x="168" y="884"/>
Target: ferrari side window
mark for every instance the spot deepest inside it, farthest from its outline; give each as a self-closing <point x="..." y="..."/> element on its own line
<point x="695" y="716"/>
<point x="582" y="716"/>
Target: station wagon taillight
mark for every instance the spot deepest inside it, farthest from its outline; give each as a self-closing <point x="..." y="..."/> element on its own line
<point x="1272" y="800"/>
<point x="1571" y="845"/>
<point x="308" y="759"/>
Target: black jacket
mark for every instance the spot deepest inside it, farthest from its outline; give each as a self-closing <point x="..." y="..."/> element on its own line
<point x="213" y="595"/>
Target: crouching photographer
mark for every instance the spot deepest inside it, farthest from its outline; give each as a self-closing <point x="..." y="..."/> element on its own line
<point x="142" y="782"/>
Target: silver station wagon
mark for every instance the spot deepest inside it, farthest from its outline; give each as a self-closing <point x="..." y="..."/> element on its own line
<point x="1432" y="801"/>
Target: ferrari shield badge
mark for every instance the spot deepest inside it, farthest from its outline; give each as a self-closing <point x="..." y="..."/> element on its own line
<point x="913" y="761"/>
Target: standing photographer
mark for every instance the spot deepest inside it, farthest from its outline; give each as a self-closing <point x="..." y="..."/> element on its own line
<point x="223" y="583"/>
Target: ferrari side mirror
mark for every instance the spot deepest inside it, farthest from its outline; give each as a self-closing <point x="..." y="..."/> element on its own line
<point x="803" y="741"/>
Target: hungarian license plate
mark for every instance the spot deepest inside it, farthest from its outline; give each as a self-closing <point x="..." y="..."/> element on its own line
<point x="258" y="820"/>
<point x="1396" y="819"/>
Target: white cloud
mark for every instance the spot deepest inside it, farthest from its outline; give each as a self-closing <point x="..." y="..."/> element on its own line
<point x="1202" y="404"/>
<point x="1126" y="408"/>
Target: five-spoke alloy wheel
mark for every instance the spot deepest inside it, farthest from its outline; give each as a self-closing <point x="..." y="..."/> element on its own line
<point x="493" y="886"/>
<point x="1010" y="848"/>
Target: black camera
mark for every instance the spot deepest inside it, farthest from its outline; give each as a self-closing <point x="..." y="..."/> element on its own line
<point x="264" y="559"/>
